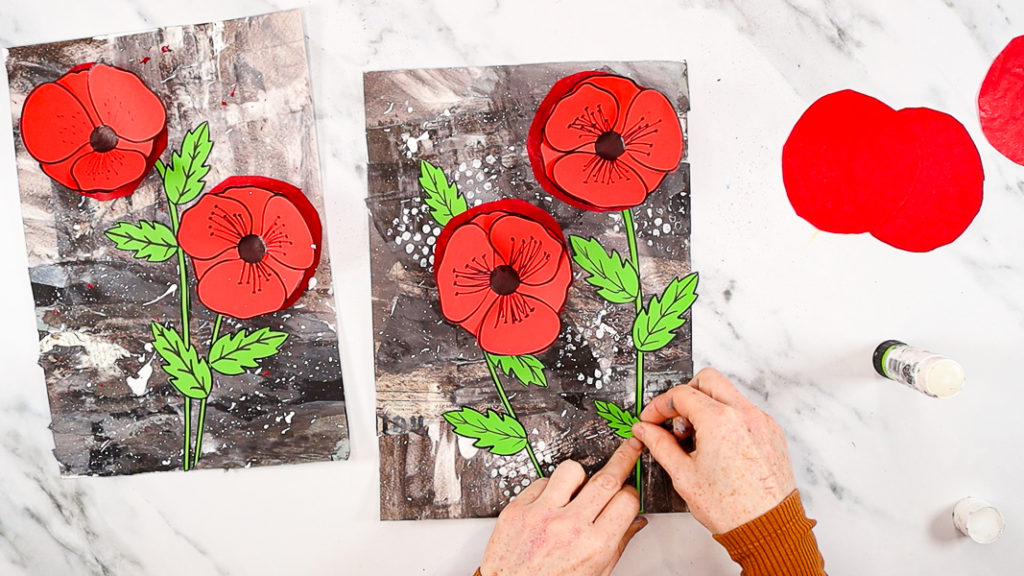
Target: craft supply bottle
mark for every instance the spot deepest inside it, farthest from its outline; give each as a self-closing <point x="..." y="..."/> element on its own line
<point x="933" y="374"/>
<point x="978" y="519"/>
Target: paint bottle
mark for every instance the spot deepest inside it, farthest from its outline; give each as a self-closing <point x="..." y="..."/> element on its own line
<point x="978" y="519"/>
<point x="935" y="375"/>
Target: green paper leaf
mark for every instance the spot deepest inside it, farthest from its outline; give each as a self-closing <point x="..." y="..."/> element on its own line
<point x="616" y="280"/>
<point x="442" y="197"/>
<point x="183" y="179"/>
<point x="526" y="369"/>
<point x="151" y="241"/>
<point x="499" y="433"/>
<point x="233" y="354"/>
<point x="189" y="373"/>
<point x="619" y="420"/>
<point x="656" y="325"/>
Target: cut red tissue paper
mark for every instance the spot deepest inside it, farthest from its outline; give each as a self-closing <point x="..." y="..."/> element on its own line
<point x="912" y="178"/>
<point x="1001" y="102"/>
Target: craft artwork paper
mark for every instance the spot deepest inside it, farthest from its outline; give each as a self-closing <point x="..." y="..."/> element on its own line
<point x="530" y="260"/>
<point x="173" y="217"/>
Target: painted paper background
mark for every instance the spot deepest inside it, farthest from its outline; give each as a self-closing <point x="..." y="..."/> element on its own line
<point x="472" y="123"/>
<point x="113" y="412"/>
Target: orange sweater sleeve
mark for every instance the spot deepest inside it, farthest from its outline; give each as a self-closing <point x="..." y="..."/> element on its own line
<point x="778" y="542"/>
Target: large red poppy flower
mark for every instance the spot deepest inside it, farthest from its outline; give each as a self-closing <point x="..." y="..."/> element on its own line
<point x="601" y="142"/>
<point x="254" y="243"/>
<point x="97" y="130"/>
<point x="503" y="273"/>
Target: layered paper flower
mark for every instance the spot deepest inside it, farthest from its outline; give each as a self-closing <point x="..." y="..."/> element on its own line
<point x="97" y="130"/>
<point x="254" y="243"/>
<point x="503" y="274"/>
<point x="601" y="142"/>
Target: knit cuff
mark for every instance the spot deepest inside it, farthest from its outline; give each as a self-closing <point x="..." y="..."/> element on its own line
<point x="779" y="541"/>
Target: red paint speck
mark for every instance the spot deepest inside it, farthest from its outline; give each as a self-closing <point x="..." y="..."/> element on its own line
<point x="165" y="49"/>
<point x="223" y="103"/>
<point x="90" y="286"/>
<point x="144" y="60"/>
<point x="232" y="95"/>
<point x="266" y="372"/>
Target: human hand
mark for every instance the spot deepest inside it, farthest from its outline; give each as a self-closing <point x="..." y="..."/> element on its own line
<point x="548" y="531"/>
<point x="740" y="467"/>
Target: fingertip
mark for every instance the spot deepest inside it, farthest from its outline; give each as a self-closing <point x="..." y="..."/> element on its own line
<point x="634" y="443"/>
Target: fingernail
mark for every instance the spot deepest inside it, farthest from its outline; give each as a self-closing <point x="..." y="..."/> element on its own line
<point x="635" y="444"/>
<point x="640" y="522"/>
<point x="638" y="431"/>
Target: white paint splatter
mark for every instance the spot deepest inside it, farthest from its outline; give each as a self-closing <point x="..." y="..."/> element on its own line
<point x="170" y="290"/>
<point x="288" y="418"/>
<point x="139" y="382"/>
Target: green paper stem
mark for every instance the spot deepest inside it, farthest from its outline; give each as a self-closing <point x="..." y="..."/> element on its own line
<point x="202" y="403"/>
<point x="188" y="433"/>
<point x="508" y="410"/>
<point x="634" y="258"/>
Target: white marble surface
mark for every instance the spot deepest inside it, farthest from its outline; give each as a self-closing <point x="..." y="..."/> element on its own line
<point x="790" y="313"/>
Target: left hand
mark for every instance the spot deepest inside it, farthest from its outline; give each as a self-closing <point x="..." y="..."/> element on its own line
<point x="547" y="531"/>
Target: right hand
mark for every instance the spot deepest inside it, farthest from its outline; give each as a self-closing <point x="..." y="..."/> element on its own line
<point x="740" y="468"/>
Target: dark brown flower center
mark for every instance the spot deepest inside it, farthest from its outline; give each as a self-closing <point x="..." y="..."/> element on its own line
<point x="610" y="145"/>
<point x="504" y="279"/>
<point x="103" y="139"/>
<point x="251" y="248"/>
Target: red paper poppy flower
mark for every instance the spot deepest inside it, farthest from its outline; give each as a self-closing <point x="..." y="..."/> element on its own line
<point x="97" y="130"/>
<point x="503" y="273"/>
<point x="601" y="142"/>
<point x="254" y="243"/>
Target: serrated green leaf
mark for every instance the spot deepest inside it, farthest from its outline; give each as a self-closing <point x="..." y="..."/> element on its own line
<point x="499" y="433"/>
<point x="233" y="354"/>
<point x="619" y="420"/>
<point x="441" y="196"/>
<point x="189" y="373"/>
<point x="526" y="369"/>
<point x="616" y="281"/>
<point x="656" y="325"/>
<point x="183" y="179"/>
<point x="151" y="241"/>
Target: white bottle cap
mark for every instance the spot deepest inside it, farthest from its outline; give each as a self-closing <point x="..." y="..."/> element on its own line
<point x="978" y="519"/>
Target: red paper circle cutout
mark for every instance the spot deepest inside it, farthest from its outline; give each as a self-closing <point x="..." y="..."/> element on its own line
<point x="912" y="178"/>
<point x="1001" y="102"/>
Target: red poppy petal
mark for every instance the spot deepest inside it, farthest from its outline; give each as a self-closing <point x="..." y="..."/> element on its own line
<point x="77" y="82"/>
<point x="254" y="199"/>
<point x="528" y="247"/>
<point x="125" y="104"/>
<point x="213" y="225"/>
<point x="242" y="290"/>
<point x="201" y="267"/>
<point x="604" y="185"/>
<point x="622" y="89"/>
<point x="464" y="273"/>
<point x="54" y="125"/>
<point x="286" y="234"/>
<point x="517" y="324"/>
<point x="108" y="170"/>
<point x="554" y="291"/>
<point x="144" y="148"/>
<point x="291" y="278"/>
<point x="61" y="171"/>
<point x="579" y="118"/>
<point x="651" y="132"/>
